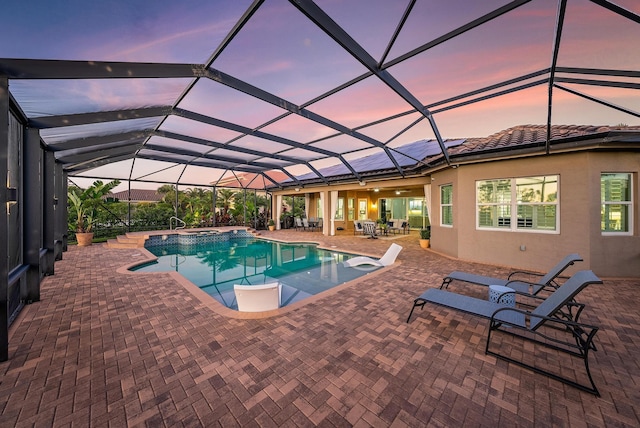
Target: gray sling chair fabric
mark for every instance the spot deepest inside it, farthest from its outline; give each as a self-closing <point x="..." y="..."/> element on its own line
<point x="370" y="229"/>
<point x="519" y="285"/>
<point x="528" y="325"/>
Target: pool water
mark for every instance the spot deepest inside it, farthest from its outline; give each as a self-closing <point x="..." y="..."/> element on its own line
<point x="303" y="269"/>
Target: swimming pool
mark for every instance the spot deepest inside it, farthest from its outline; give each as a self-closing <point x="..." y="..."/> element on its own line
<point x="303" y="270"/>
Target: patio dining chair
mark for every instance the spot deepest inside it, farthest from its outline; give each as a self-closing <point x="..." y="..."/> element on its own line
<point x="528" y="325"/>
<point x="370" y="229"/>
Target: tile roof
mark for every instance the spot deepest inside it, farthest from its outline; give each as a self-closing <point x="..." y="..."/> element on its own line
<point x="531" y="135"/>
<point x="137" y="195"/>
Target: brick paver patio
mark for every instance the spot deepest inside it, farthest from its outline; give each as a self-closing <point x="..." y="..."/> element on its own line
<point x="104" y="348"/>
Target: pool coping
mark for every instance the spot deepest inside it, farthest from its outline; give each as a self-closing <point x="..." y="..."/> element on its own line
<point x="217" y="307"/>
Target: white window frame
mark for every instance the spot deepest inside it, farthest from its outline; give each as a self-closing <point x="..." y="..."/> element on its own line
<point x="513" y="206"/>
<point x="448" y="205"/>
<point x="339" y="214"/>
<point x="627" y="203"/>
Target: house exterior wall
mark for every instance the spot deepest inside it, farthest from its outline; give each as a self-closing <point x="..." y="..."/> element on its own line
<point x="411" y="187"/>
<point x="616" y="256"/>
<point x="579" y="210"/>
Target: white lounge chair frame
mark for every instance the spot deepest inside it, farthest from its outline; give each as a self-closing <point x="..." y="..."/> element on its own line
<point x="387" y="259"/>
<point x="258" y="298"/>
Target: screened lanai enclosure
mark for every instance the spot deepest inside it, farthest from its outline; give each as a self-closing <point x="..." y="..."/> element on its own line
<point x="275" y="95"/>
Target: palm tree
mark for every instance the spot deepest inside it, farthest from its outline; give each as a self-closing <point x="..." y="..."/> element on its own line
<point x="225" y="199"/>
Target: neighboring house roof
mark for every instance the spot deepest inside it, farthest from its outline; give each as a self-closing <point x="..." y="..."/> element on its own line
<point x="250" y="180"/>
<point x="425" y="154"/>
<point x="137" y="195"/>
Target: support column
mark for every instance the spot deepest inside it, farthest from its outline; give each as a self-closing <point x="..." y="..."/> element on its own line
<point x="32" y="233"/>
<point x="4" y="220"/>
<point x="64" y="226"/>
<point x="213" y="209"/>
<point x="48" y="211"/>
<point x="58" y="211"/>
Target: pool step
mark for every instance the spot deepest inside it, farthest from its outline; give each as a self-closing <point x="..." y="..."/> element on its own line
<point x="123" y="241"/>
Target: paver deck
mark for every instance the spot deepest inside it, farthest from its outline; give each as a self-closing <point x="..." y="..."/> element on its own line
<point x="103" y="348"/>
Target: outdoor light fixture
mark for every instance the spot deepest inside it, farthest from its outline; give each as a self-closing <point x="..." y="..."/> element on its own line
<point x="12" y="192"/>
<point x="362" y="183"/>
<point x="376" y="190"/>
<point x="12" y="195"/>
<point x="397" y="192"/>
<point x="297" y="189"/>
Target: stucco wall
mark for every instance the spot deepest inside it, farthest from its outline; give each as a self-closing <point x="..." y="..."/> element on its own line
<point x="579" y="229"/>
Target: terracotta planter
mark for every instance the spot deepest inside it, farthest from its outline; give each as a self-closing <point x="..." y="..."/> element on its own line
<point x="272" y="228"/>
<point x="84" y="239"/>
<point x="424" y="243"/>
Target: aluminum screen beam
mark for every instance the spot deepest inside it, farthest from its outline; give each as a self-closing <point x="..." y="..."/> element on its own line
<point x="209" y="164"/>
<point x="618" y="9"/>
<point x="232" y="82"/>
<point x="208" y="143"/>
<point x="340" y="36"/>
<point x="62" y="69"/>
<point x="609" y="83"/>
<point x="456" y="32"/>
<point x="493" y="95"/>
<point x="132" y="137"/>
<point x="45" y="122"/>
<point x="210" y="156"/>
<point x="248" y="131"/>
<point x="598" y="71"/>
<point x="97" y="154"/>
<point x="63" y="154"/>
<point x="562" y="8"/>
<point x="599" y="101"/>
<point x="86" y="166"/>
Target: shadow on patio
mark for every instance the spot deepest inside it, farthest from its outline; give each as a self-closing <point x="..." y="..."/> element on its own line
<point x="103" y="348"/>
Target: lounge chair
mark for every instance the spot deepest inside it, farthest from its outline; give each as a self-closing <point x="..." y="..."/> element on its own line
<point x="357" y="227"/>
<point x="258" y="298"/>
<point x="299" y="224"/>
<point x="521" y="286"/>
<point x="387" y="259"/>
<point x="305" y="224"/>
<point x="528" y="324"/>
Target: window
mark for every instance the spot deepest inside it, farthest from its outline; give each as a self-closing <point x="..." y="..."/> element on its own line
<point x="616" y="210"/>
<point x="528" y="203"/>
<point x="352" y="209"/>
<point x="319" y="208"/>
<point x="339" y="215"/>
<point x="446" y="205"/>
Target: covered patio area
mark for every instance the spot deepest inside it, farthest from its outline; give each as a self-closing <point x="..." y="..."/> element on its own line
<point x="109" y="349"/>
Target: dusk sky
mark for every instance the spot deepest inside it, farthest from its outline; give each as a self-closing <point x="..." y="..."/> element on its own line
<point x="284" y="53"/>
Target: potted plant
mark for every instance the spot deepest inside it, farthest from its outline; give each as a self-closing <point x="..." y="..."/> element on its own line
<point x="272" y="225"/>
<point x="85" y="203"/>
<point x="425" y="237"/>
